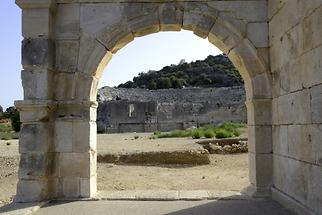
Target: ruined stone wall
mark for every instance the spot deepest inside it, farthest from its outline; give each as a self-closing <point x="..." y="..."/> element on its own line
<point x="168" y="109"/>
<point x="296" y="52"/>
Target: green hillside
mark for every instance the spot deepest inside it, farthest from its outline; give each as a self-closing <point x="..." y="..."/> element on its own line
<point x="214" y="71"/>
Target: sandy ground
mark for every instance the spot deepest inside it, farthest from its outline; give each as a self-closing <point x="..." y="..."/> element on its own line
<point x="226" y="172"/>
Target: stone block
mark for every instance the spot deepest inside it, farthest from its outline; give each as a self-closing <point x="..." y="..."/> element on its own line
<point x="37" y="52"/>
<point x="35" y="138"/>
<point x="144" y="25"/>
<point x="259" y="112"/>
<point x="261" y="86"/>
<point x="82" y="165"/>
<point x="67" y="21"/>
<point x="199" y="24"/>
<point x="71" y="187"/>
<point x="301" y="107"/>
<point x="37" y="83"/>
<point x="88" y="187"/>
<point x="36" y="23"/>
<point x="311" y="72"/>
<point x="63" y="136"/>
<point x="170" y="17"/>
<point x="252" y="11"/>
<point x="280" y="140"/>
<point x="67" y="55"/>
<point x="260" y="139"/>
<point x="314" y="199"/>
<point x="300" y="143"/>
<point x="66" y="83"/>
<point x="261" y="169"/>
<point x="257" y="33"/>
<point x="316" y="104"/>
<point x="34" y="110"/>
<point x="315" y="132"/>
<point x="86" y="88"/>
<point x="285" y="109"/>
<point x="245" y="58"/>
<point x="34" y="166"/>
<point x="312" y="34"/>
<point x="32" y="191"/>
<point x="84" y="136"/>
<point x="93" y="56"/>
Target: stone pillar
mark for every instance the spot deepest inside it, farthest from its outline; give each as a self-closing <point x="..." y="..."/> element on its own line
<point x="260" y="147"/>
<point x="37" y="164"/>
<point x="75" y="144"/>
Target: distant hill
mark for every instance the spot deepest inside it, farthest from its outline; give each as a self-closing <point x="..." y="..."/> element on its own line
<point x="214" y="71"/>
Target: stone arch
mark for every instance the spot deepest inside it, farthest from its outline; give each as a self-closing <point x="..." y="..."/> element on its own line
<point x="62" y="99"/>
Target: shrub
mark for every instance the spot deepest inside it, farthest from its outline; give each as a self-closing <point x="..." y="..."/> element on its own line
<point x="136" y="137"/>
<point x="15" y="121"/>
<point x="196" y="134"/>
<point x="221" y="133"/>
<point x="209" y="133"/>
<point x="156" y="133"/>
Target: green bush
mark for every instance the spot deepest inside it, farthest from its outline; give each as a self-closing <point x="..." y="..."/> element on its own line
<point x="209" y="133"/>
<point x="157" y="133"/>
<point x="221" y="133"/>
<point x="196" y="134"/>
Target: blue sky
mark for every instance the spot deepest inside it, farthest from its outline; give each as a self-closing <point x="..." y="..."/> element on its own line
<point x="150" y="52"/>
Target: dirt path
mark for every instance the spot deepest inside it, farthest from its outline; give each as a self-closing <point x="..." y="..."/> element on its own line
<point x="226" y="172"/>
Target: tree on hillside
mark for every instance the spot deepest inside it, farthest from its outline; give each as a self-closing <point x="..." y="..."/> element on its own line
<point x="13" y="114"/>
<point x="1" y="112"/>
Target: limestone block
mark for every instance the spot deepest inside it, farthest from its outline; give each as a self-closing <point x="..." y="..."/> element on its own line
<point x="245" y="58"/>
<point x="260" y="139"/>
<point x="261" y="86"/>
<point x="39" y="4"/>
<point x="235" y="25"/>
<point x="34" y="111"/>
<point x="36" y="23"/>
<point x="275" y="119"/>
<point x="76" y="110"/>
<point x="315" y="132"/>
<point x="298" y="180"/>
<point x="96" y="18"/>
<point x="280" y="140"/>
<point x="66" y="83"/>
<point x="67" y="21"/>
<point x="32" y="190"/>
<point x="281" y="176"/>
<point x="316" y="104"/>
<point x="84" y="136"/>
<point x="88" y="187"/>
<point x="315" y="189"/>
<point x="86" y="88"/>
<point x="35" y="138"/>
<point x="286" y="109"/>
<point x="199" y="24"/>
<point x="37" y="52"/>
<point x="81" y="165"/>
<point x="221" y="36"/>
<point x="259" y="112"/>
<point x="253" y="11"/>
<point x="301" y="107"/>
<point x="67" y="55"/>
<point x="274" y="6"/>
<point x="63" y="136"/>
<point x="257" y="33"/>
<point x="300" y="143"/>
<point x="312" y="34"/>
<point x="311" y="72"/>
<point x="170" y="16"/>
<point x="34" y="166"/>
<point x="71" y="187"/>
<point x="261" y="169"/>
<point x="92" y="56"/>
<point x="37" y="83"/>
<point x="144" y="25"/>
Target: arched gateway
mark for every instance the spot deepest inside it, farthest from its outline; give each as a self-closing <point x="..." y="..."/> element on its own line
<point x="67" y="44"/>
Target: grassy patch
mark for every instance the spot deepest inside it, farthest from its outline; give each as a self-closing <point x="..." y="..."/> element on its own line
<point x="6" y="132"/>
<point x="224" y="130"/>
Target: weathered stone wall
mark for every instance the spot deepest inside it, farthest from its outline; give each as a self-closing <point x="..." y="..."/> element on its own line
<point x="296" y="63"/>
<point x="168" y="109"/>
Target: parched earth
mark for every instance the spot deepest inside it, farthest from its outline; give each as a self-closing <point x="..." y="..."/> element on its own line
<point x="224" y="173"/>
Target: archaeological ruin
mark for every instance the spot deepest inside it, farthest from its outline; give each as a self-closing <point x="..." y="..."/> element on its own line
<point x="276" y="45"/>
<point x="139" y="110"/>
